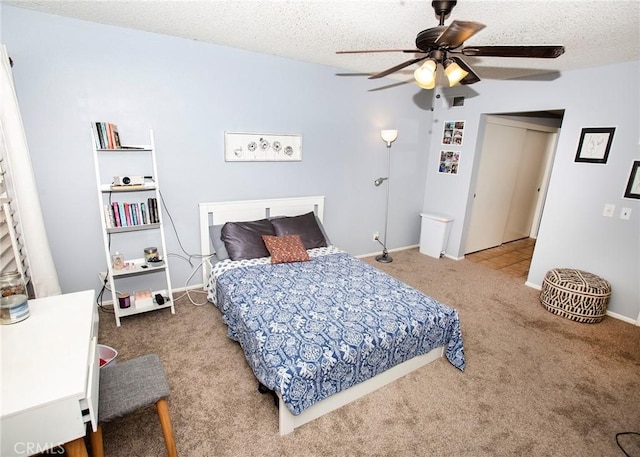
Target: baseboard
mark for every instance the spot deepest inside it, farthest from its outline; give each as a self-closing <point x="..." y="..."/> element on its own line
<point x="621" y="317"/>
<point x="413" y="246"/>
<point x="371" y="254"/>
<point x="184" y="289"/>
<point x="533" y="285"/>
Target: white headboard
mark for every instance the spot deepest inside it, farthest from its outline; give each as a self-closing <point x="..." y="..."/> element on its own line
<point x="249" y="210"/>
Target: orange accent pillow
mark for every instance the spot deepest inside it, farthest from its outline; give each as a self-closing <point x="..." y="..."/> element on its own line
<point x="286" y="248"/>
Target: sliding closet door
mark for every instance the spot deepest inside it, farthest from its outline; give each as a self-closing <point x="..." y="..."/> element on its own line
<point x="498" y="171"/>
<point x="527" y="186"/>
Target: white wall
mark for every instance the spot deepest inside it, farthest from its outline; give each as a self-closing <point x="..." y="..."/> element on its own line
<point x="573" y="232"/>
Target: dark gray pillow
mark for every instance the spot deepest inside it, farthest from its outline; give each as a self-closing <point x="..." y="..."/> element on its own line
<point x="318" y="221"/>
<point x="243" y="240"/>
<point x="304" y="225"/>
<point x="215" y="233"/>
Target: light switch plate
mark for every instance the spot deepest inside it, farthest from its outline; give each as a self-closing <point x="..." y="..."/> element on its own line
<point x="609" y="208"/>
<point x="625" y="213"/>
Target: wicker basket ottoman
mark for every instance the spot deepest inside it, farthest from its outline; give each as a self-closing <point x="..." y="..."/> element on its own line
<point x="575" y="294"/>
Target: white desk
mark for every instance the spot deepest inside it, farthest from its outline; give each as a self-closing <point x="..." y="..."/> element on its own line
<point x="50" y="373"/>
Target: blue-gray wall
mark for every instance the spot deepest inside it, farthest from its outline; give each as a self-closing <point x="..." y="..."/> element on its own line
<point x="69" y="73"/>
<point x="573" y="232"/>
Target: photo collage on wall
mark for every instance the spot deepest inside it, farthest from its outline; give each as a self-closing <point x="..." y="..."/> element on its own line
<point x="452" y="135"/>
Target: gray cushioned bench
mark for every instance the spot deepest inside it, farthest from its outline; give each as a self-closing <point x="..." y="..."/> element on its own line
<point x="128" y="386"/>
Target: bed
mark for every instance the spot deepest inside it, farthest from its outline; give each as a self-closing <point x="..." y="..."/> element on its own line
<point x="319" y="327"/>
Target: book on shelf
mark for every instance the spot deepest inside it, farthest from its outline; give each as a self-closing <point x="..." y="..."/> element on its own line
<point x="115" y="210"/>
<point x="144" y="214"/>
<point x="150" y="209"/>
<point x="106" y="135"/>
<point x="109" y="218"/>
<point x="97" y="135"/>
<point x="134" y="214"/>
<point x="138" y="214"/>
<point x="152" y="206"/>
<point x="125" y="214"/>
<point x="155" y="210"/>
<point x="123" y="217"/>
<point x="113" y="135"/>
<point x="132" y="211"/>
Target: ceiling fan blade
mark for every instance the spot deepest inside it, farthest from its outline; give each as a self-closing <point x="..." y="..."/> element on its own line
<point x="380" y="50"/>
<point x="396" y="68"/>
<point x="458" y="32"/>
<point x="541" y="52"/>
<point x="472" y="77"/>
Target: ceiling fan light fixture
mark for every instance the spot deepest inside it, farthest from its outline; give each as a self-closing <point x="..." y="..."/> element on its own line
<point x="425" y="75"/>
<point x="434" y="44"/>
<point x="454" y="72"/>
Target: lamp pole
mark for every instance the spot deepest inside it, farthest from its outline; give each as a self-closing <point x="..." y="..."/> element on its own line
<point x="385" y="257"/>
<point x="389" y="136"/>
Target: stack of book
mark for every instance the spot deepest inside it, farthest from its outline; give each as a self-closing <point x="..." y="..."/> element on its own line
<point x="131" y="214"/>
<point x="106" y="135"/>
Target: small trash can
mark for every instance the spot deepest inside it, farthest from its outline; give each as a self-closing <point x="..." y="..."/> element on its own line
<point x="434" y="234"/>
<point x="106" y="354"/>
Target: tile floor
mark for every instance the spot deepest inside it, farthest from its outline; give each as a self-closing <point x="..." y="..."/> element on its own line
<point x="512" y="258"/>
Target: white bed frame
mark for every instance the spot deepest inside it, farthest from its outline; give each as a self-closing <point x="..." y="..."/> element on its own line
<point x="221" y="212"/>
<point x="250" y="210"/>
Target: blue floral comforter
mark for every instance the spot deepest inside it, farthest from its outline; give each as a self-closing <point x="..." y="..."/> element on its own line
<point x="311" y="329"/>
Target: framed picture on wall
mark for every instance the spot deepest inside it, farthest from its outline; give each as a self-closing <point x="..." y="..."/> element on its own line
<point x="453" y="132"/>
<point x="633" y="185"/>
<point x="449" y="162"/>
<point x="594" y="145"/>
<point x="262" y="147"/>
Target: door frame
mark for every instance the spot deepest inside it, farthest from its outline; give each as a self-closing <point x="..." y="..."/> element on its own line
<point x="515" y="119"/>
<point x="544" y="186"/>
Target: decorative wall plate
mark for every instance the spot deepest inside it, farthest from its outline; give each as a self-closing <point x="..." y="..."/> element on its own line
<point x="262" y="147"/>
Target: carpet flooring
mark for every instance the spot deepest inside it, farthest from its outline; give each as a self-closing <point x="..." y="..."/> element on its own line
<point x="535" y="384"/>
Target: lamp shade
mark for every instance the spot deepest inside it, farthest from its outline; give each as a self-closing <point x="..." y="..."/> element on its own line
<point x="425" y="75"/>
<point x="389" y="136"/>
<point x="454" y="72"/>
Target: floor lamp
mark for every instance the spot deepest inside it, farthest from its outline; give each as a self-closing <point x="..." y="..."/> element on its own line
<point x="389" y="136"/>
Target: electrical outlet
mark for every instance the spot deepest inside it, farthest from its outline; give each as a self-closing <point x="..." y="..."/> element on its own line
<point x="376" y="236"/>
<point x="625" y="213"/>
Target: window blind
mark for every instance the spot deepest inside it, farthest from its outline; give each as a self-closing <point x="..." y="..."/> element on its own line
<point x="12" y="253"/>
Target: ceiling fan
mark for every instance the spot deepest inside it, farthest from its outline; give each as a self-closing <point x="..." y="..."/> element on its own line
<point x="442" y="45"/>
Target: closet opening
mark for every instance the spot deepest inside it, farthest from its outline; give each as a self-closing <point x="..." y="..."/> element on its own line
<point x="510" y="182"/>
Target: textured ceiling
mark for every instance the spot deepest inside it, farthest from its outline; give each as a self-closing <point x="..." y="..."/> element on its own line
<point x="594" y="33"/>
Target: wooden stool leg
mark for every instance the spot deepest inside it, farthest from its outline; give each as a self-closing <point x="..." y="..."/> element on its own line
<point x="76" y="448"/>
<point x="97" y="449"/>
<point x="167" y="429"/>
